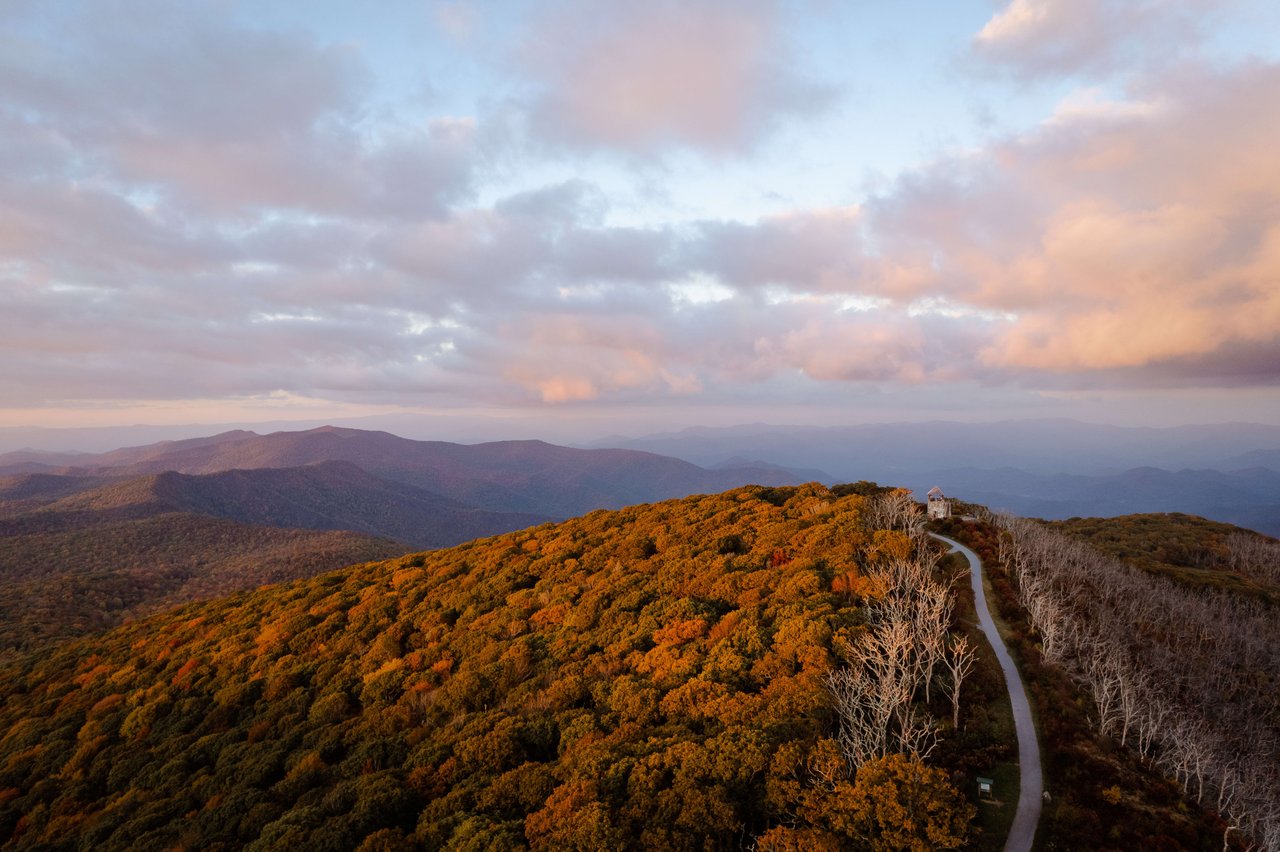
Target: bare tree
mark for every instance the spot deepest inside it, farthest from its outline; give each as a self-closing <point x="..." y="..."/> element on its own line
<point x="1254" y="557"/>
<point x="892" y="661"/>
<point x="871" y="690"/>
<point x="959" y="662"/>
<point x="895" y="510"/>
<point x="1190" y="677"/>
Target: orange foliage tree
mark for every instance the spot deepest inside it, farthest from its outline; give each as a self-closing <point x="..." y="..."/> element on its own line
<point x="898" y="803"/>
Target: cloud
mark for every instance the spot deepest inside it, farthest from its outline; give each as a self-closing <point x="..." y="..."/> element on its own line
<point x="567" y="355"/>
<point x="1124" y="243"/>
<point x="817" y="249"/>
<point x="1049" y="38"/>
<point x="1130" y="245"/>
<point x="458" y="20"/>
<point x="181" y="101"/>
<point x="638" y="78"/>
<point x="571" y="357"/>
<point x="149" y="250"/>
<point x="1120" y="239"/>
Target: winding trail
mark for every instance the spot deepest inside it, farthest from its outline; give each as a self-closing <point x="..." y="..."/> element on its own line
<point x="1023" y="832"/>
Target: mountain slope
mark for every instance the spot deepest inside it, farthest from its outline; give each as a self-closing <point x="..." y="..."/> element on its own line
<point x="648" y="678"/>
<point x="507" y="476"/>
<point x="21" y="493"/>
<point x="60" y="584"/>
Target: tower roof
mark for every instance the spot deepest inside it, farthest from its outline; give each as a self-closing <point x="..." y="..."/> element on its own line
<point x="935" y="491"/>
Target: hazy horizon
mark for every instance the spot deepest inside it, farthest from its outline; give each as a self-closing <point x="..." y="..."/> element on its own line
<point x="1049" y="468"/>
<point x="480" y="429"/>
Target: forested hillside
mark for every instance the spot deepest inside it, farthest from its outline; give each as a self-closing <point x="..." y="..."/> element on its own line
<point x="1193" y="551"/>
<point x="62" y="583"/>
<point x="684" y="675"/>
<point x="1181" y="671"/>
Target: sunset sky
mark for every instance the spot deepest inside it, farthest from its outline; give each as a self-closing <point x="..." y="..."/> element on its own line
<point x="640" y="215"/>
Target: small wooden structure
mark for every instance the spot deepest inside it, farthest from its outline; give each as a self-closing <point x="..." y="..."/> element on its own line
<point x="939" y="506"/>
<point x="984" y="787"/>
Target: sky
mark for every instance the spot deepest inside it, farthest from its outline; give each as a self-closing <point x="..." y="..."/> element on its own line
<point x="639" y="215"/>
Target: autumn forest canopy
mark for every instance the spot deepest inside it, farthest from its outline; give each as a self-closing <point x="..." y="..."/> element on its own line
<point x="655" y="677"/>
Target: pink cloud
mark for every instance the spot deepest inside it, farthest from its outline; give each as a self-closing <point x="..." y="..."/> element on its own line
<point x="638" y="77"/>
<point x="1128" y="239"/>
<point x="1141" y="235"/>
<point x="1056" y="37"/>
<point x="569" y="357"/>
<point x="816" y="249"/>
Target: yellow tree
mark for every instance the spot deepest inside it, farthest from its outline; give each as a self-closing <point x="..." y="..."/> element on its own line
<point x="898" y="803"/>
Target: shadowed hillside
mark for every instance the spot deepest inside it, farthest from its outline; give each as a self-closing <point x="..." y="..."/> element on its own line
<point x="22" y="492"/>
<point x="330" y="495"/>
<point x="66" y="583"/>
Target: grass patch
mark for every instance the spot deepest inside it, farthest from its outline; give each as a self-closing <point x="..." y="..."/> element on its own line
<point x="995" y="815"/>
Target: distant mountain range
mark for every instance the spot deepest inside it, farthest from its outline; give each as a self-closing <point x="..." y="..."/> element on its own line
<point x="1247" y="498"/>
<point x="87" y="540"/>
<point x="1046" y="446"/>
<point x="321" y="496"/>
<point x="529" y="477"/>
<point x="1041" y="468"/>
